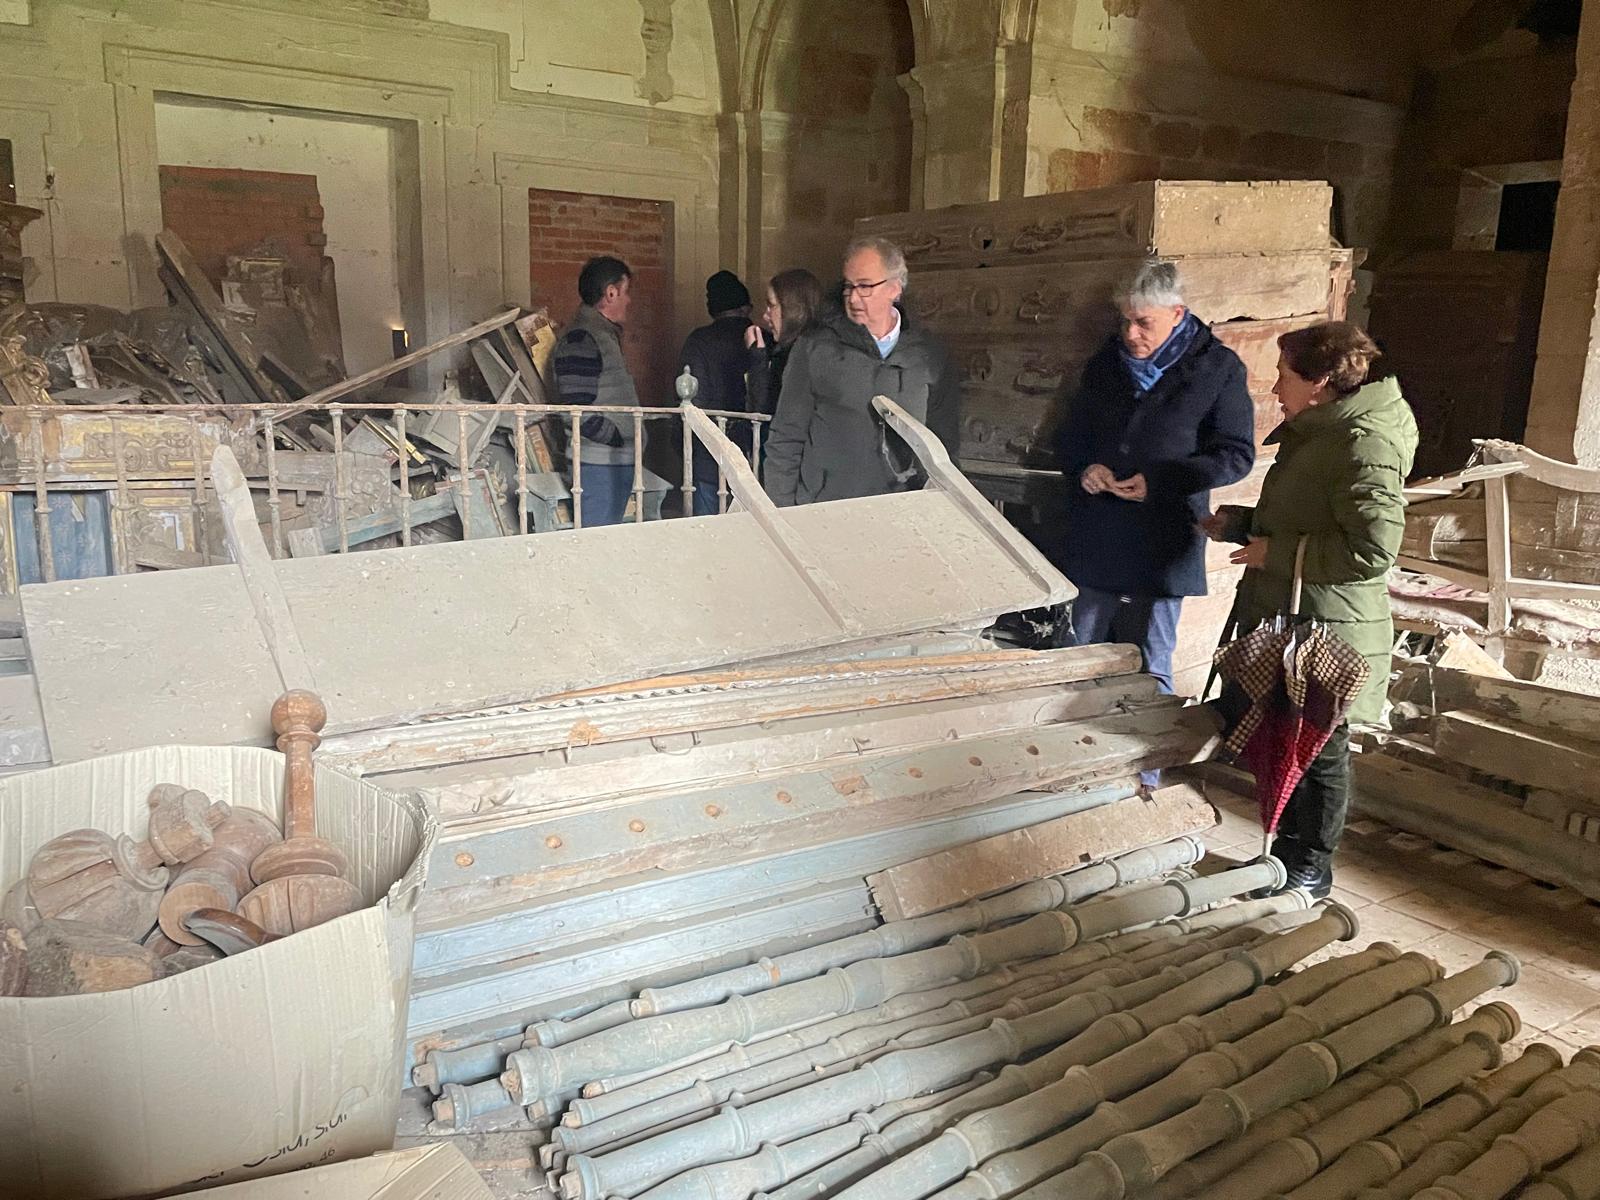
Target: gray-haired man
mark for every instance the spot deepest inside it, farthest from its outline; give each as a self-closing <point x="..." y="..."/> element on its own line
<point x="826" y="441"/>
<point x="1162" y="416"/>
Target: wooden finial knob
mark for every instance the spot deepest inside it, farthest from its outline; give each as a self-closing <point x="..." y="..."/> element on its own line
<point x="298" y="711"/>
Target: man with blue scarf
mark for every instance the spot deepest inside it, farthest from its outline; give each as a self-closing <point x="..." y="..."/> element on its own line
<point x="1162" y="415"/>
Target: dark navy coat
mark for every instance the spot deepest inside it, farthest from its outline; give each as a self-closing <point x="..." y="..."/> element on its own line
<point x="1193" y="431"/>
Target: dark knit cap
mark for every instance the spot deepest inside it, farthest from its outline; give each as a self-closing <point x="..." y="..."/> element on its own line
<point x="724" y="293"/>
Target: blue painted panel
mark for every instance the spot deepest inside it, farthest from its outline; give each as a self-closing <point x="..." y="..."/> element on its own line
<point x="80" y="535"/>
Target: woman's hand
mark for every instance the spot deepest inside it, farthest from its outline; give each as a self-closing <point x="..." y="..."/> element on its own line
<point x="1253" y="555"/>
<point x="1096" y="479"/>
<point x="1132" y="488"/>
<point x="1214" y="527"/>
<point x="755" y="338"/>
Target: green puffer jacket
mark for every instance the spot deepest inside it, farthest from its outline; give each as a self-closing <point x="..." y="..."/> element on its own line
<point x="1337" y="480"/>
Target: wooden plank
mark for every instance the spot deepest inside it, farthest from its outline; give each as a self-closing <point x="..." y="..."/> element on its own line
<point x="1129" y="220"/>
<point x="994" y="864"/>
<point x="1461" y="654"/>
<point x="502" y="789"/>
<point x="1475" y="820"/>
<point x="711" y="701"/>
<point x="173" y="656"/>
<point x="381" y="524"/>
<point x="191" y="282"/>
<point x="696" y="828"/>
<point x="356" y="382"/>
<point x="1498" y="530"/>
<point x="254" y="562"/>
<point x="1520" y="753"/>
<point x="1544" y="470"/>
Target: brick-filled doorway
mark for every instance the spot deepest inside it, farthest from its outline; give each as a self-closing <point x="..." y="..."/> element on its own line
<point x="565" y="229"/>
<point x="222" y="211"/>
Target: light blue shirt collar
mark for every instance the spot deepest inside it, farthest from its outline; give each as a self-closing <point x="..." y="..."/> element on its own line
<point x="888" y="341"/>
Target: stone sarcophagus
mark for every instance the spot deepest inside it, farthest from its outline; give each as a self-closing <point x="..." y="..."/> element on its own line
<point x="1021" y="292"/>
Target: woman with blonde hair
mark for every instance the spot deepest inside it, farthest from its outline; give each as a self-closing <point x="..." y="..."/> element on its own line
<point x="1332" y="503"/>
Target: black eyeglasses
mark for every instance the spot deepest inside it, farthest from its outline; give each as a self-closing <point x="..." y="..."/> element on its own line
<point x="848" y="288"/>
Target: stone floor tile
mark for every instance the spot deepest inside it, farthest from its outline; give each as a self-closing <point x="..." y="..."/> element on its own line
<point x="1349" y="899"/>
<point x="1581" y="1030"/>
<point x="1372" y="882"/>
<point x="1546" y="1000"/>
<point x="1575" y="959"/>
<point x="1453" y="952"/>
<point x="1442" y="905"/>
<point x="1380" y="924"/>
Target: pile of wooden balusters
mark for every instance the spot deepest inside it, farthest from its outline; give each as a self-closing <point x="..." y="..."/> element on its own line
<point x="97" y="912"/>
<point x="1132" y="1034"/>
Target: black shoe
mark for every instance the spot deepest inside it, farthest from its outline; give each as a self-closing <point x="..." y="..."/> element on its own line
<point x="1316" y="883"/>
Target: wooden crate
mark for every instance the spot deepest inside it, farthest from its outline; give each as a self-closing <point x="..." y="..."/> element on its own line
<point x="1127" y="221"/>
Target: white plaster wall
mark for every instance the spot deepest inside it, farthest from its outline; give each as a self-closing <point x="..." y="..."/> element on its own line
<point x="593" y="48"/>
<point x="352" y="162"/>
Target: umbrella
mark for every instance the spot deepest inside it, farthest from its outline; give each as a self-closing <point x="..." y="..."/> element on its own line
<point x="1299" y="679"/>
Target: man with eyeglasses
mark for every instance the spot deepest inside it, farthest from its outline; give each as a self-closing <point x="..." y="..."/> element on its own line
<point x="826" y="441"/>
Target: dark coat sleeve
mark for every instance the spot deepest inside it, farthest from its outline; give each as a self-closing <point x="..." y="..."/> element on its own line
<point x="791" y="424"/>
<point x="1075" y="437"/>
<point x="1225" y="442"/>
<point x="762" y="377"/>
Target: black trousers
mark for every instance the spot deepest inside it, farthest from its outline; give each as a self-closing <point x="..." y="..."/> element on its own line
<point x="1313" y="820"/>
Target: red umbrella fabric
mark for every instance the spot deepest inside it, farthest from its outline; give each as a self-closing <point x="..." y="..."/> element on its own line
<point x="1300" y="680"/>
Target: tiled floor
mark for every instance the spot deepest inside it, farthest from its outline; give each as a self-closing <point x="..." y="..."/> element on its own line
<point x="1455" y="909"/>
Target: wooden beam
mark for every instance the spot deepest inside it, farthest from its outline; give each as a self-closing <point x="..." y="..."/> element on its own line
<point x="1511" y="700"/>
<point x="1520" y="753"/>
<point x="191" y="284"/>
<point x="1475" y="820"/>
<point x="254" y="560"/>
<point x="994" y="864"/>
<point x="356" y="382"/>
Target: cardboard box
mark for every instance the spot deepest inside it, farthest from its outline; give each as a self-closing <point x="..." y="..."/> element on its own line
<point x="436" y="1172"/>
<point x="283" y="1057"/>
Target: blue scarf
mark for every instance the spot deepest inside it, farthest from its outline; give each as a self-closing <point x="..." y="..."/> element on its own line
<point x="1147" y="372"/>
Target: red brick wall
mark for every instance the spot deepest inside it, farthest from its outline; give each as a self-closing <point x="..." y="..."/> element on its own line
<point x="566" y="229"/>
<point x="1132" y="146"/>
<point x="219" y="211"/>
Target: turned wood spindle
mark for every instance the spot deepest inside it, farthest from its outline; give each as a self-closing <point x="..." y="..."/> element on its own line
<point x="301" y="880"/>
<point x="115" y="883"/>
<point x="220" y="877"/>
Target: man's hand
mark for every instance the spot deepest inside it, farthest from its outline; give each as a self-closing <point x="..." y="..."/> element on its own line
<point x="1097" y="479"/>
<point x="1132" y="488"/>
<point x="1253" y="555"/>
<point x="1214" y="527"/>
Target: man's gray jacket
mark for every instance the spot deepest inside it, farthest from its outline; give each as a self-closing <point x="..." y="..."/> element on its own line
<point x="826" y="442"/>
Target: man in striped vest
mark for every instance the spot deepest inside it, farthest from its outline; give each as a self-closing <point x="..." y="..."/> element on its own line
<point x="590" y="369"/>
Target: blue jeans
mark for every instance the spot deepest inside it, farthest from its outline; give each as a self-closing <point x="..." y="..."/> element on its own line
<point x="606" y="488"/>
<point x="705" y="497"/>
<point x="1149" y="622"/>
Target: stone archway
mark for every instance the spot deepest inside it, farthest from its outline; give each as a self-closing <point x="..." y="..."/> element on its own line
<point x="824" y="128"/>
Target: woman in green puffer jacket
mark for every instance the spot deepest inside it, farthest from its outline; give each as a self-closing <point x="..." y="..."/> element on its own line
<point x="1344" y="450"/>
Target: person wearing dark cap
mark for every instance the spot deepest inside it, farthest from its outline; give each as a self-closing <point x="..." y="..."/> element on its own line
<point x="716" y="356"/>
